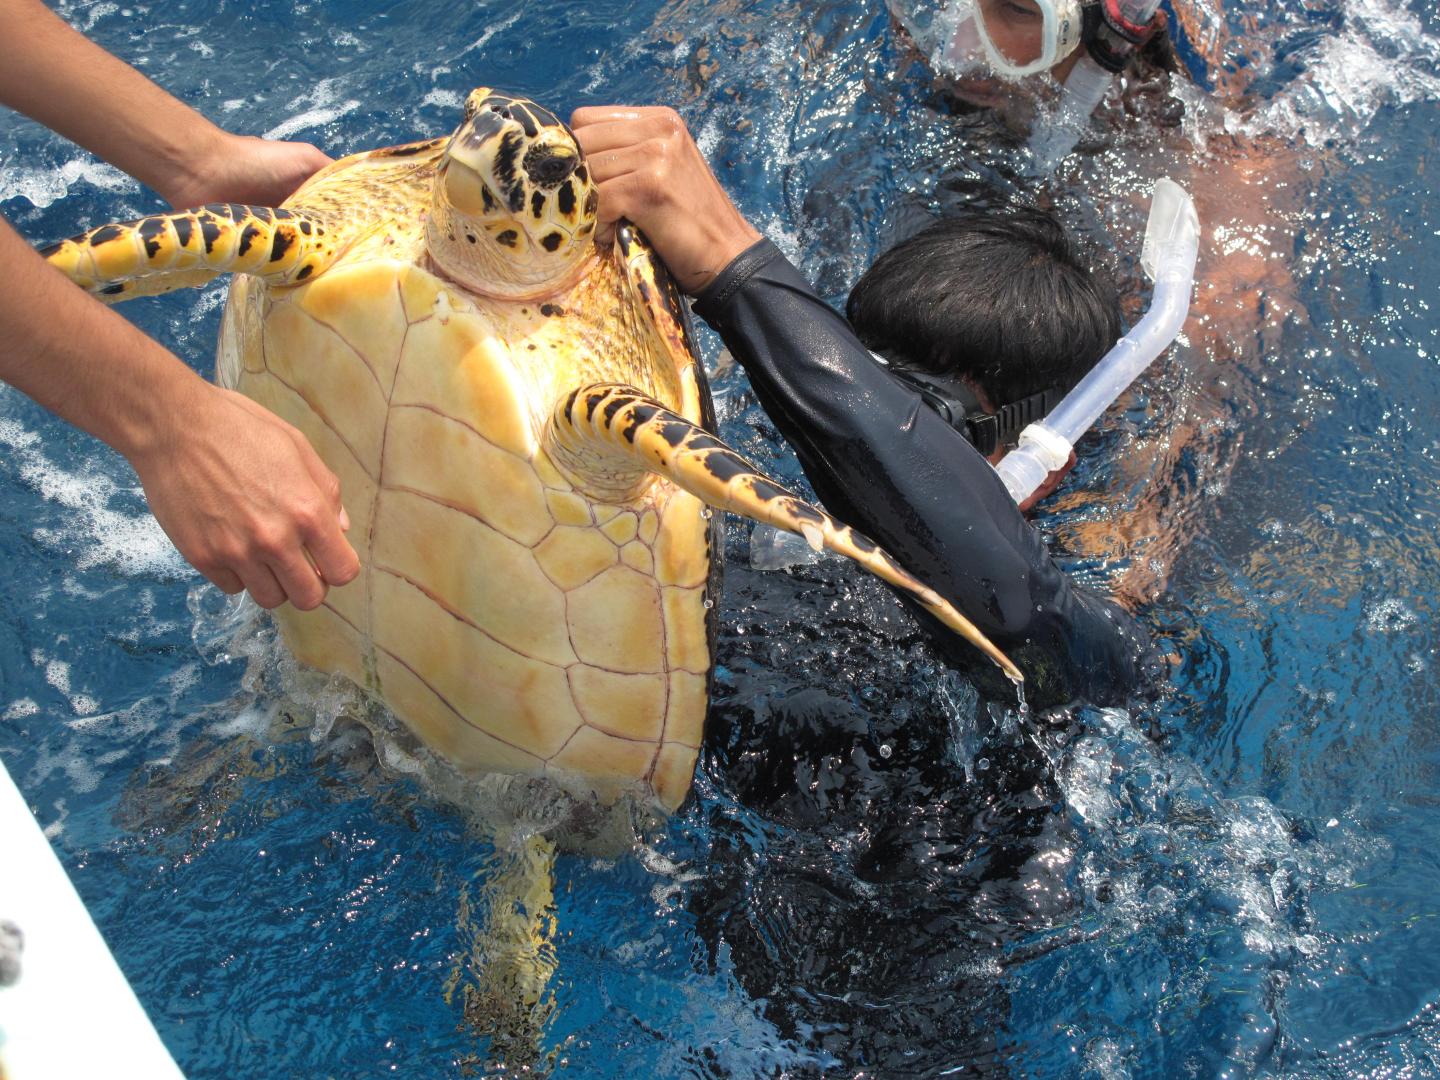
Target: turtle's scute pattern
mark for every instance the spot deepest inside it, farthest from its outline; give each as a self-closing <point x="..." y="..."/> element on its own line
<point x="513" y="621"/>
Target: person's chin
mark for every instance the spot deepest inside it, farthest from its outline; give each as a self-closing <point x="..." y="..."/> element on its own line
<point x="981" y="92"/>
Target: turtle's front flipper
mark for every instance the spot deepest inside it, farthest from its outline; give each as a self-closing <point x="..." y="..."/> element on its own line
<point x="607" y="436"/>
<point x="171" y="251"/>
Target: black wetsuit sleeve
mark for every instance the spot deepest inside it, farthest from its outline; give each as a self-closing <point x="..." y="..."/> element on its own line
<point x="884" y="462"/>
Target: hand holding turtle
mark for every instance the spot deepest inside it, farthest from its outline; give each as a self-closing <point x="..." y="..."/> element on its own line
<point x="239" y="491"/>
<point x="242" y="495"/>
<point x="246" y="500"/>
<point x="650" y="172"/>
<point x="118" y="114"/>
<point x="243" y="169"/>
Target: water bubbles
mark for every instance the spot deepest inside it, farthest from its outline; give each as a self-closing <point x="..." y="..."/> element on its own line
<point x="1389" y="615"/>
<point x="885" y="750"/>
<point x="776" y="549"/>
<point x="18" y="710"/>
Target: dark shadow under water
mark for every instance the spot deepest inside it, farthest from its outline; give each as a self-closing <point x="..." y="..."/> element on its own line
<point x="880" y="837"/>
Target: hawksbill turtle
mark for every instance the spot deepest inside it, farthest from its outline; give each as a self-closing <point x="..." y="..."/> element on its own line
<point x="524" y="438"/>
<point x="519" y="421"/>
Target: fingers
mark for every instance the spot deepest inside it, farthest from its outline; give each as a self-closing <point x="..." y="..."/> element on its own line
<point x="263" y="586"/>
<point x="298" y="568"/>
<point x="631" y="181"/>
<point x="649" y="171"/>
<point x="334" y="559"/>
<point x="593" y="115"/>
<point x="249" y="502"/>
<point x="298" y="581"/>
<point x="323" y="532"/>
<point x="325" y="480"/>
<point x="226" y="581"/>
<point x="660" y="133"/>
<point x="314" y="554"/>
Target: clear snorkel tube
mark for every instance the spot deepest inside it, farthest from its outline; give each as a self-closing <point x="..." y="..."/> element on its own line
<point x="1122" y="26"/>
<point x="1172" y="238"/>
<point x="1054" y="138"/>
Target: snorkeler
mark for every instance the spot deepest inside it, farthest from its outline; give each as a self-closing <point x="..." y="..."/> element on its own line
<point x="901" y="451"/>
<point x="239" y="491"/>
<point x="988" y="49"/>
<point x="1042" y="67"/>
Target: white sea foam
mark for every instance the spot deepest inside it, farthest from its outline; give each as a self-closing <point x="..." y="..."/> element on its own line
<point x="1389" y="615"/>
<point x="1382" y="57"/>
<point x="43" y="186"/>
<point x="93" y="13"/>
<point x="449" y="100"/>
<point x="57" y="674"/>
<point x="320" y="105"/>
<point x="492" y="30"/>
<point x="20" y="709"/>
<point x="56" y="827"/>
<point x="102" y="536"/>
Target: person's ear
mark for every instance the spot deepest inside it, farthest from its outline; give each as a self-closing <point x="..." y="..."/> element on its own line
<point x="1049" y="484"/>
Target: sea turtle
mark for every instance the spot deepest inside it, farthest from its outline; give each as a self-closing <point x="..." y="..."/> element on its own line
<point x="518" y="418"/>
<point x="519" y="421"/>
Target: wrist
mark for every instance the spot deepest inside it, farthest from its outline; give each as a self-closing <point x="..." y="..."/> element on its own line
<point x="200" y="169"/>
<point x="147" y="423"/>
<point x="729" y="240"/>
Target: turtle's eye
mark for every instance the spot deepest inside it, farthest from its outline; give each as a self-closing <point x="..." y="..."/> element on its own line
<point x="548" y="165"/>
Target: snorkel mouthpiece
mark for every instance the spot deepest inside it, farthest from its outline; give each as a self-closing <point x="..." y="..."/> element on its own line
<point x="1114" y="29"/>
<point x="1172" y="239"/>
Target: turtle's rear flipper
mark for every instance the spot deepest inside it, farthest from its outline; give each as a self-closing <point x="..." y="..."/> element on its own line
<point x="606" y="436"/>
<point x="505" y="971"/>
<point x="172" y="251"/>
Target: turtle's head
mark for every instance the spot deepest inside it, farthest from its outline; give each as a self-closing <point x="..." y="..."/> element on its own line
<point x="514" y="207"/>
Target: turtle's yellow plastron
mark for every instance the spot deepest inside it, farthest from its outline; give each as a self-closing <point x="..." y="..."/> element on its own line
<point x="518" y="420"/>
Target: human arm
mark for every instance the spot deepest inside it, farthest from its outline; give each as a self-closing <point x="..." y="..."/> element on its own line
<point x="239" y="491"/>
<point x="881" y="459"/>
<point x="54" y="74"/>
<point x="875" y="454"/>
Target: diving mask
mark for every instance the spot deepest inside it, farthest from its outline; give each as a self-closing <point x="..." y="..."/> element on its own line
<point x="1013" y="38"/>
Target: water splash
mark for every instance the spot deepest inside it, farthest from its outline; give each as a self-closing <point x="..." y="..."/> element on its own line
<point x="1165" y="853"/>
<point x="43" y="186"/>
<point x="1380" y="57"/>
<point x="133" y="544"/>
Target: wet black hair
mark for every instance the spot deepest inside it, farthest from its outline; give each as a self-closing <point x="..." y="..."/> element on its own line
<point x="997" y="295"/>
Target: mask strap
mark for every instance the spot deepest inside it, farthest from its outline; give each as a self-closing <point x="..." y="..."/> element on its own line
<point x="1018" y="415"/>
<point x="957" y="405"/>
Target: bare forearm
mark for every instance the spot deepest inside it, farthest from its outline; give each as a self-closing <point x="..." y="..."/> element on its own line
<point x="54" y="74"/>
<point x="81" y="360"/>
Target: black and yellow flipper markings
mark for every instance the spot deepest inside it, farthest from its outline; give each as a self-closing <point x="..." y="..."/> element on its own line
<point x="171" y="251"/>
<point x="610" y="424"/>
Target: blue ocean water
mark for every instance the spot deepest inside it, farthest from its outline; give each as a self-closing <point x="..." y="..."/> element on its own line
<point x="876" y="875"/>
